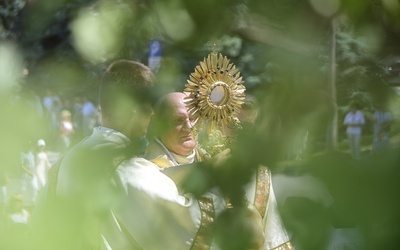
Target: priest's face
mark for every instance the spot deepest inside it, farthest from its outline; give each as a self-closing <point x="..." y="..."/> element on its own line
<point x="178" y="137"/>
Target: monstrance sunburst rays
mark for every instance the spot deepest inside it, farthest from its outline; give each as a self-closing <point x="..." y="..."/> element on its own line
<point x="216" y="90"/>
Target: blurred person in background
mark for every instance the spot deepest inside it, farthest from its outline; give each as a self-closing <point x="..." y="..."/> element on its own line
<point x="354" y="121"/>
<point x="42" y="164"/>
<point x="66" y="129"/>
<point x="382" y="121"/>
<point x="88" y="115"/>
<point x="29" y="186"/>
<point x="49" y="101"/>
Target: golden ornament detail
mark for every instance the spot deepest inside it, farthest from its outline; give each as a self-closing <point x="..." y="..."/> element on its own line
<point x="215" y="90"/>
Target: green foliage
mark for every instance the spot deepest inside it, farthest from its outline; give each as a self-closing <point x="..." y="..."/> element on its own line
<point x="9" y="11"/>
<point x="288" y="75"/>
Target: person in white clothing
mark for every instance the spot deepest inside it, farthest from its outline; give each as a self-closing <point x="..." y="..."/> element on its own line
<point x="171" y="141"/>
<point x="29" y="187"/>
<point x="42" y="164"/>
<point x="354" y="121"/>
<point x="173" y="144"/>
<point x="80" y="190"/>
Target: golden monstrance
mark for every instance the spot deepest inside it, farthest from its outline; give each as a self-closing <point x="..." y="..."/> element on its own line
<point x="215" y="93"/>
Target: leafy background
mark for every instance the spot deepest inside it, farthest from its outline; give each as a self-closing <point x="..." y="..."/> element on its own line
<point x="282" y="48"/>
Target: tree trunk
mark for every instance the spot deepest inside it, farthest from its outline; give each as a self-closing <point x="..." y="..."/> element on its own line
<point x="331" y="137"/>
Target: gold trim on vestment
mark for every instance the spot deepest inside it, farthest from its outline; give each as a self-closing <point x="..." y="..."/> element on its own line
<point x="204" y="236"/>
<point x="262" y="190"/>
<point x="285" y="246"/>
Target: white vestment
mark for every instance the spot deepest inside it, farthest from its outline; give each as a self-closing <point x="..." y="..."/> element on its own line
<point x="259" y="192"/>
<point x="42" y="167"/>
<point x="149" y="213"/>
<point x="157" y="153"/>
